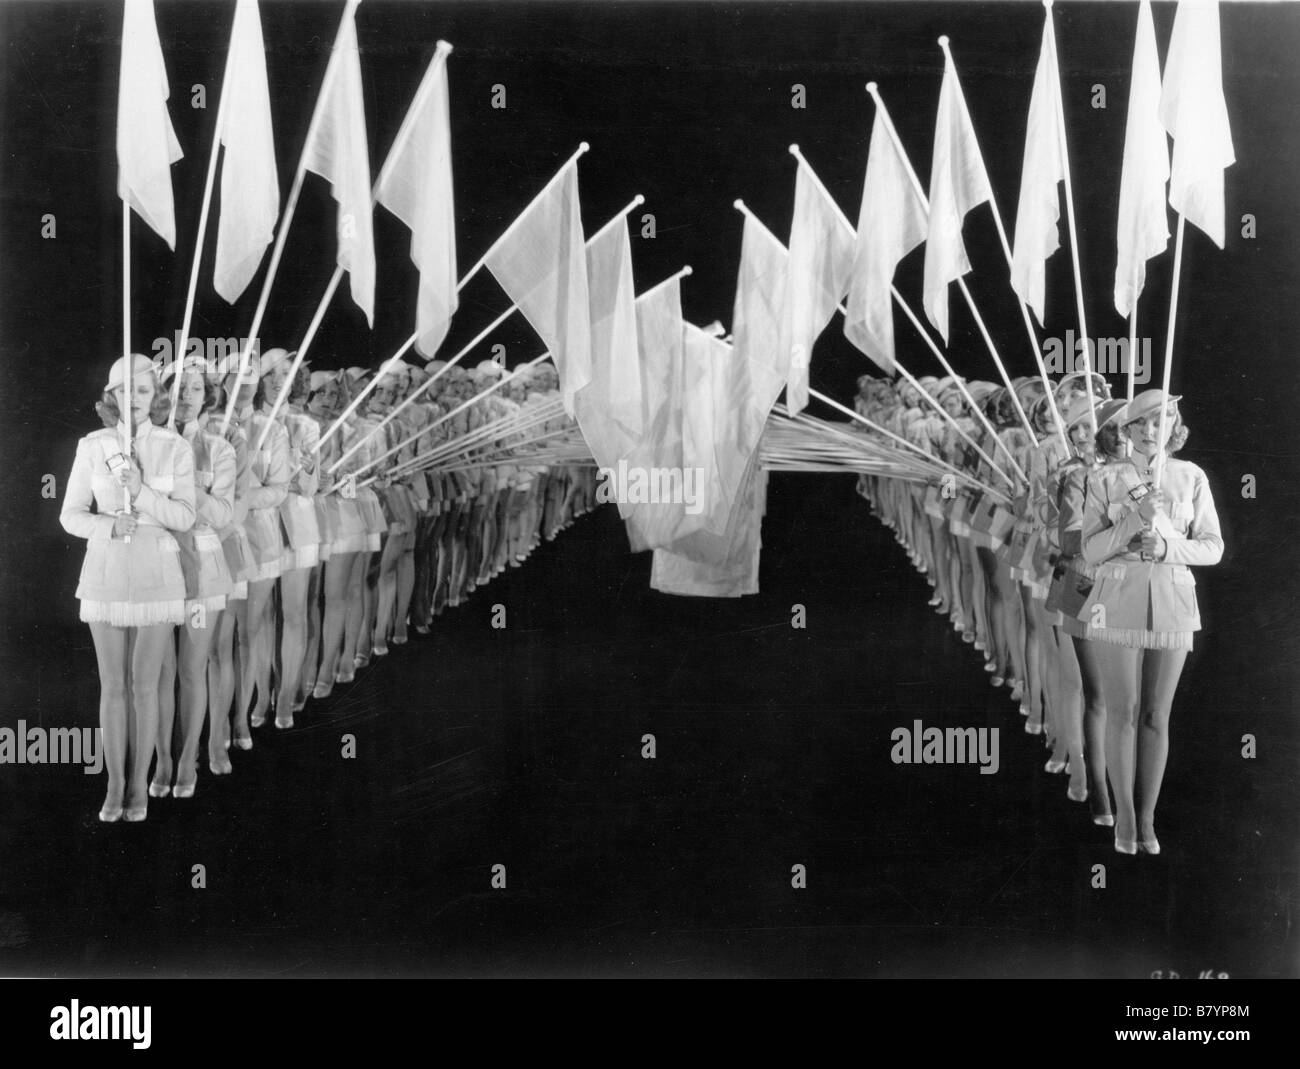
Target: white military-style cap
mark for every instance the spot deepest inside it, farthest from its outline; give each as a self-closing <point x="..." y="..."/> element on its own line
<point x="1145" y="403"/>
<point x="140" y="365"/>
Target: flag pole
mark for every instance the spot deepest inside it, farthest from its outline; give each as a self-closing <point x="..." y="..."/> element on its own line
<point x="741" y="207"/>
<point x="1132" y="345"/>
<point x="128" y="386"/>
<point x="286" y="217"/>
<point x="228" y="75"/>
<point x="633" y="203"/>
<point x="399" y="143"/>
<point x="1169" y="349"/>
<point x="1030" y="333"/>
<point x="1069" y="217"/>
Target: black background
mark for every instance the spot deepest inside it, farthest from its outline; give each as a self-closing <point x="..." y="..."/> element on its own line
<point x="523" y="745"/>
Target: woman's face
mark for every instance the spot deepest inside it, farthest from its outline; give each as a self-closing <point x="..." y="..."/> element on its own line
<point x="143" y="387"/>
<point x="274" y="379"/>
<point x="246" y="390"/>
<point x="325" y="400"/>
<point x="1144" y="433"/>
<point x="1081" y="435"/>
<point x="952" y="404"/>
<point x="381" y="399"/>
<point x="190" y="403"/>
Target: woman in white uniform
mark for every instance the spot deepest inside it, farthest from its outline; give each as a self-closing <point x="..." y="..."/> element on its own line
<point x="1143" y="540"/>
<point x="132" y="590"/>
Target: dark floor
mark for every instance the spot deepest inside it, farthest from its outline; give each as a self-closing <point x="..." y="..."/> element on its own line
<point x="522" y="747"/>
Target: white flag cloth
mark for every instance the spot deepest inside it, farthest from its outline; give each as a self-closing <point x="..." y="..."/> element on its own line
<point x="250" y="183"/>
<point x="610" y="407"/>
<point x="958" y="183"/>
<point x="761" y="364"/>
<point x="415" y="185"/>
<point x="891" y="223"/>
<point x="1039" y="209"/>
<point x="338" y="152"/>
<point x="146" y="142"/>
<point x="1194" y="112"/>
<point x="542" y="264"/>
<point x="1143" y="230"/>
<point x="821" y="258"/>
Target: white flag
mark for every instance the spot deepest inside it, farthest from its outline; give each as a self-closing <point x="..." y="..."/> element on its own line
<point x="339" y="153"/>
<point x="415" y="185"/>
<point x="541" y="263"/>
<point x="958" y="183"/>
<point x="891" y="223"/>
<point x="146" y="142"/>
<point x="1039" y="209"/>
<point x="610" y="407"/>
<point x="1143" y="230"/>
<point x="1194" y="112"/>
<point x="250" y="183"/>
<point x="821" y="258"/>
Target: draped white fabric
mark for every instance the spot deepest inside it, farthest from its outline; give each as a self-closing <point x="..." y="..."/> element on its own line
<point x="250" y="183"/>
<point x="416" y="186"/>
<point x="146" y="142"/>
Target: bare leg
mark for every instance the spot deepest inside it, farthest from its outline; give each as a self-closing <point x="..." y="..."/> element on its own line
<point x="147" y="647"/>
<point x="1161" y="670"/>
<point x="192" y="660"/>
<point x="221" y="687"/>
<point x="162" y="779"/>
<point x="1094" y="725"/>
<point x="252" y="638"/>
<point x="311" y="655"/>
<point x="386" y="592"/>
<point x="357" y="588"/>
<point x="110" y="655"/>
<point x="338" y="579"/>
<point x="405" y="587"/>
<point x="294" y="588"/>
<point x="1120" y="666"/>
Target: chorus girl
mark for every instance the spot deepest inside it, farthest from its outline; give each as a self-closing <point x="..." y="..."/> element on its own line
<point x="128" y="505"/>
<point x="1143" y="540"/>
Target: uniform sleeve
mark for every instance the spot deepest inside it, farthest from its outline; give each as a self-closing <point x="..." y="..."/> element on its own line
<point x="1203" y="543"/>
<point x="276" y="487"/>
<point x="174" y="510"/>
<point x="1074" y="493"/>
<point x="309" y="448"/>
<point x="216" y="507"/>
<point x="78" y="497"/>
<point x="1101" y="539"/>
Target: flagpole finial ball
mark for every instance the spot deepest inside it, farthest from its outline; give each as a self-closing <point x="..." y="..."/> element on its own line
<point x="738" y="204"/>
<point x="639" y="199"/>
<point x="583" y="147"/>
<point x="794" y="150"/>
<point x="943" y="41"/>
<point x="872" y="87"/>
<point x="444" y="47"/>
<point x="687" y="270"/>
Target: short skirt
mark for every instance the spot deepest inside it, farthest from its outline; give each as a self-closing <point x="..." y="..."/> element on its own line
<point x="1146" y="605"/>
<point x="263" y="529"/>
<point x="343" y="520"/>
<point x="133" y="584"/>
<point x="959" y="517"/>
<point x="398" y="508"/>
<point x="239" y="554"/>
<point x="203" y="562"/>
<point x="372" y="512"/>
<point x="301" y="533"/>
<point x="325" y="518"/>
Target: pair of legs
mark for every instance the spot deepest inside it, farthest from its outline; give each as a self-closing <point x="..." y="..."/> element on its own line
<point x="188" y="658"/>
<point x="130" y="661"/>
<point x="344" y="578"/>
<point x="1069" y="744"/>
<point x="1139" y="687"/>
<point x="386" y="592"/>
<point x="221" y="685"/>
<point x="1035" y="623"/>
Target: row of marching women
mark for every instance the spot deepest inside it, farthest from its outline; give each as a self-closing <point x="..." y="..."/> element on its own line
<point x="1064" y="558"/>
<point x="234" y="574"/>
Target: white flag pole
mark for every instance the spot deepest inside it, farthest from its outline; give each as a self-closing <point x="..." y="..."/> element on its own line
<point x="399" y="143"/>
<point x="286" y="217"/>
<point x="1132" y="345"/>
<point x="228" y="76"/>
<point x="128" y="385"/>
<point x="1169" y="349"/>
<point x="1030" y="333"/>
